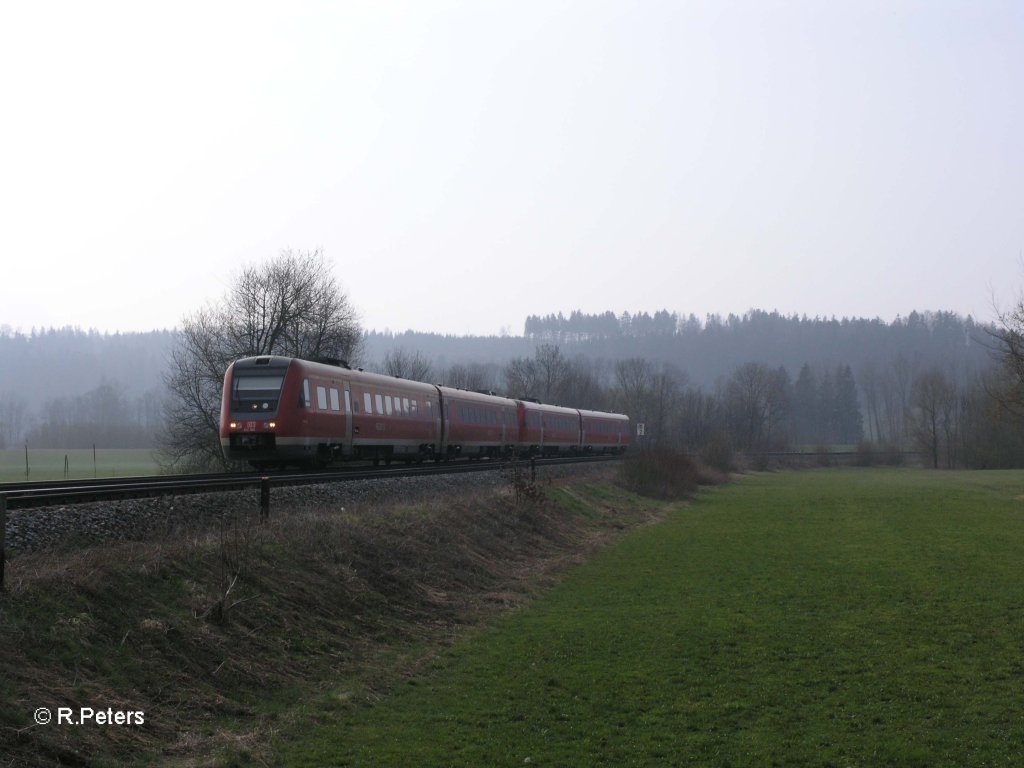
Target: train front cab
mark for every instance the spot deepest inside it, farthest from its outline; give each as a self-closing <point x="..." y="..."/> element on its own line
<point x="252" y="413"/>
<point x="280" y="412"/>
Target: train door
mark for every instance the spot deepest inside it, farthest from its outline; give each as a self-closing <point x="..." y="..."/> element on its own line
<point x="446" y="426"/>
<point x="434" y="409"/>
<point x="347" y="449"/>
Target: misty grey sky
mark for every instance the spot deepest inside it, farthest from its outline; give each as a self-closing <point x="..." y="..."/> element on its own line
<point x="467" y="164"/>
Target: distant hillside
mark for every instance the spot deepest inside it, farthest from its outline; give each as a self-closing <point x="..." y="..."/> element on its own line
<point x="53" y="381"/>
<point x="709" y="349"/>
<point x="69" y="361"/>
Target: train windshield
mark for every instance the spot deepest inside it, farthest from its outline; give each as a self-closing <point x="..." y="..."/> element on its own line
<point x="255" y="393"/>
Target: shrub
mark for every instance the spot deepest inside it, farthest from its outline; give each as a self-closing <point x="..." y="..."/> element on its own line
<point x="823" y="456"/>
<point x="892" y="455"/>
<point x="666" y="474"/>
<point x="867" y="454"/>
<point x="717" y="453"/>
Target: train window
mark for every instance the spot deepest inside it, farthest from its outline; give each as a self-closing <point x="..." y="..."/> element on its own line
<point x="387" y="404"/>
<point x="321" y="398"/>
<point x="380" y="405"/>
<point x="305" y="392"/>
<point x="256" y="393"/>
<point x="335" y="400"/>
<point x="367" y="402"/>
<point x="348" y="402"/>
<point x="415" y="409"/>
<point x="405" y="405"/>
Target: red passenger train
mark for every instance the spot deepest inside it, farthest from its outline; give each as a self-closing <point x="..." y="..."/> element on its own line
<point x="282" y="411"/>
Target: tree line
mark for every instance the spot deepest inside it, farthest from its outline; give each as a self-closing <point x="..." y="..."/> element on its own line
<point x="934" y="382"/>
<point x="104" y="416"/>
<point x="882" y="410"/>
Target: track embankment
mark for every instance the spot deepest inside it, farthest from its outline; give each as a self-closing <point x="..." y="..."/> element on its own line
<point x="219" y="631"/>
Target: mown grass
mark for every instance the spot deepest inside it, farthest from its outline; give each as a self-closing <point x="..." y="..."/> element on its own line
<point x="48" y="463"/>
<point x="843" y="617"/>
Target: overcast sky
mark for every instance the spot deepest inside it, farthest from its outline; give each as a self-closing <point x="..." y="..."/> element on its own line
<point x="466" y="164"/>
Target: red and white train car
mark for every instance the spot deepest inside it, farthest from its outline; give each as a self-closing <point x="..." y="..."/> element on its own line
<point x="478" y="425"/>
<point x="604" y="432"/>
<point x="279" y="411"/>
<point x="547" y="430"/>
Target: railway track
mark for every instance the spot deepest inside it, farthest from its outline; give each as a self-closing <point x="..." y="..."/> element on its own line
<point x="25" y="495"/>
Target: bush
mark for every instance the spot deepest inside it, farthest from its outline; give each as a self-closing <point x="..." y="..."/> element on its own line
<point x="823" y="456"/>
<point x="717" y="453"/>
<point x="867" y="454"/>
<point x="666" y="474"/>
<point x="892" y="455"/>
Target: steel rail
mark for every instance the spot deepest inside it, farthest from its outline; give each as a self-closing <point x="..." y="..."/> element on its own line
<point x="25" y="495"/>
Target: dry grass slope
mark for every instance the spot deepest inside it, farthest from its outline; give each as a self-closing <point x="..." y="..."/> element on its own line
<point x="221" y="636"/>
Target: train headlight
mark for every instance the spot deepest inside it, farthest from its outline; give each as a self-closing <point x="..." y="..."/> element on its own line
<point x="233" y="425"/>
<point x="272" y="424"/>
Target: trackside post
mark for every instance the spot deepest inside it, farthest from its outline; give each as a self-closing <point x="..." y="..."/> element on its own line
<point x="3" y="538"/>
<point x="264" y="497"/>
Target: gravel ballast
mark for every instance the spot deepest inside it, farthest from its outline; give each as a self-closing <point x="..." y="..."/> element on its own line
<point x="140" y="519"/>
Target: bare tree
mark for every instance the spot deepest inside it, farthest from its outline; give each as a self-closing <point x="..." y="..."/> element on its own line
<point x="664" y="398"/>
<point x="757" y="399"/>
<point x="290" y="305"/>
<point x="869" y="384"/>
<point x="545" y="376"/>
<point x="581" y="386"/>
<point x="13" y="418"/>
<point x="633" y="379"/>
<point x="475" y="376"/>
<point x="934" y="403"/>
<point x="1009" y="348"/>
<point x="552" y="368"/>
<point x="521" y="377"/>
<point x="408" y="365"/>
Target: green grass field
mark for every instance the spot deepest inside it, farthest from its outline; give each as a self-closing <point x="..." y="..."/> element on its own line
<point x="48" y="463"/>
<point x="841" y="617"/>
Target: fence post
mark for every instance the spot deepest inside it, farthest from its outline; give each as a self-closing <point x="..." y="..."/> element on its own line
<point x="3" y="538"/>
<point x="264" y="497"/>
